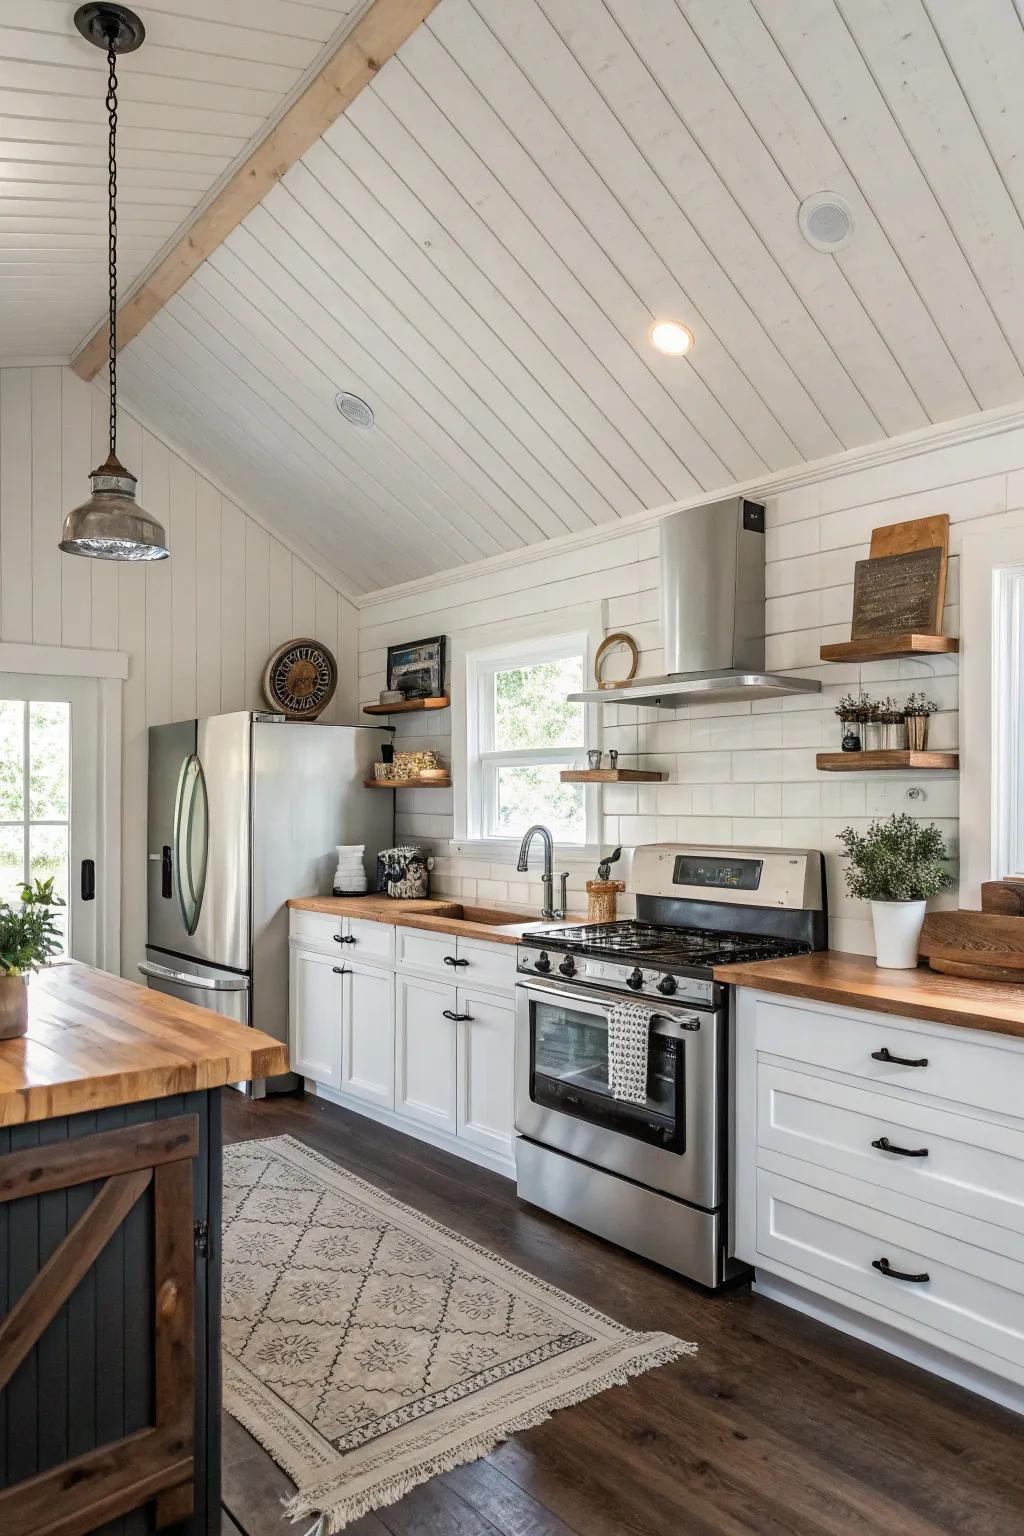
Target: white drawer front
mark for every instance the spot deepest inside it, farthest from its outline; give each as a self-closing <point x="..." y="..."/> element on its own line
<point x="425" y="953"/>
<point x="374" y="942"/>
<point x="490" y="965"/>
<point x="962" y="1067"/>
<point x="315" y="930"/>
<point x="972" y="1166"/>
<point x="970" y="1302"/>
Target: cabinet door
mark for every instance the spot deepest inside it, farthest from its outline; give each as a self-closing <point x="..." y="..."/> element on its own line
<point x="486" y="1073"/>
<point x="372" y="943"/>
<point x="368" y="1035"/>
<point x="314" y="1008"/>
<point x="426" y="1052"/>
<point x="428" y="953"/>
<point x="489" y="964"/>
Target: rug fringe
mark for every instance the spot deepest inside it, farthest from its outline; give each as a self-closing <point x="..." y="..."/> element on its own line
<point x="336" y="1513"/>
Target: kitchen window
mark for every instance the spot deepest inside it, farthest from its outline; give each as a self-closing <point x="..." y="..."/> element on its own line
<point x="521" y="732"/>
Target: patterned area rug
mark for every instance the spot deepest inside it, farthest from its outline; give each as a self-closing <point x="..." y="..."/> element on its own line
<point x="368" y="1349"/>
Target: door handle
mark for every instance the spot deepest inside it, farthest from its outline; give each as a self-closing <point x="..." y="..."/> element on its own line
<point x="898" y="1061"/>
<point x="344" y="938"/>
<point x="885" y="1145"/>
<point x="451" y="960"/>
<point x="88" y="879"/>
<point x="187" y="979"/>
<point x="166" y="873"/>
<point x="885" y="1268"/>
<point x="340" y="970"/>
<point x="456" y="1018"/>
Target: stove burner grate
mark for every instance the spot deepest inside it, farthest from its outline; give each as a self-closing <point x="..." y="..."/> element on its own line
<point x="664" y="944"/>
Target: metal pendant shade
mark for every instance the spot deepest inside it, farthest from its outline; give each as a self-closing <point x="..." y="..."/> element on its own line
<point x="111" y="525"/>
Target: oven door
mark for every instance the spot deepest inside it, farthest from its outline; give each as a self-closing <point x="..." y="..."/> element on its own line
<point x="563" y="1099"/>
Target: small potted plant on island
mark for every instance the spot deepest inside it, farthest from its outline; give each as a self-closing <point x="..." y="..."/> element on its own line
<point x="896" y="865"/>
<point x="918" y="711"/>
<point x="29" y="935"/>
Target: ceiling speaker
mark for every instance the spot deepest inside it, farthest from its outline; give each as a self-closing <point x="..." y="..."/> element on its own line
<point x="355" y="411"/>
<point x="826" y="221"/>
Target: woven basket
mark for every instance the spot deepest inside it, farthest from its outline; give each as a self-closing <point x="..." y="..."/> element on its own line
<point x="601" y="896"/>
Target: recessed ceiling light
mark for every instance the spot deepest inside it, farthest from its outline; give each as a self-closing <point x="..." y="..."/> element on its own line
<point x="355" y="411"/>
<point x="671" y="337"/>
<point x="826" y="221"/>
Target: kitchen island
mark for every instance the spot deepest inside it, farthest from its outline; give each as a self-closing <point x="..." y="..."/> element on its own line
<point x="110" y="1170"/>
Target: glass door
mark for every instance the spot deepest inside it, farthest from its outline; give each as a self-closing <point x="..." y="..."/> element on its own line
<point x="49" y="796"/>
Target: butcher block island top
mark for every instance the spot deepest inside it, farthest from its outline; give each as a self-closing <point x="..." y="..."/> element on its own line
<point x="434" y="915"/>
<point x="855" y="981"/>
<point x="95" y="1041"/>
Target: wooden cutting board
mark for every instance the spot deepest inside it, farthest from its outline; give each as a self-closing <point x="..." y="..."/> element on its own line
<point x="917" y="534"/>
<point x="985" y="945"/>
<point x="1003" y="896"/>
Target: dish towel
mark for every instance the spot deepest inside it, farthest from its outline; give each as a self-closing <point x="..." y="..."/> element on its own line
<point x="628" y="1029"/>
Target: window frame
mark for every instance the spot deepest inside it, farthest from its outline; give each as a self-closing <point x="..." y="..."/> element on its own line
<point x="476" y="660"/>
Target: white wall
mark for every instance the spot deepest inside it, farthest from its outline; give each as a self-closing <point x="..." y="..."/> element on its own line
<point x="743" y="773"/>
<point x="197" y="628"/>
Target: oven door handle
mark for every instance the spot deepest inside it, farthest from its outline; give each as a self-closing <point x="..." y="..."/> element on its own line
<point x="672" y="1012"/>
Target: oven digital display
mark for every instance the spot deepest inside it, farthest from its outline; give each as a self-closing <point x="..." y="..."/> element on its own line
<point x="719" y="874"/>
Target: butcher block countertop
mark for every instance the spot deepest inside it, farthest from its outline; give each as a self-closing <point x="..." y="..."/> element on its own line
<point x="854" y="981"/>
<point x="437" y="916"/>
<point x="95" y="1041"/>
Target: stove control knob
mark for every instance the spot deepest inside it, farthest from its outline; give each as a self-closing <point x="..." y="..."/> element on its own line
<point x="543" y="962"/>
<point x="635" y="979"/>
<point x="568" y="966"/>
<point x="667" y="985"/>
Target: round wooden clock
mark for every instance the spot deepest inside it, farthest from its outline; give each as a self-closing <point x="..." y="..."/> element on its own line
<point x="300" y="679"/>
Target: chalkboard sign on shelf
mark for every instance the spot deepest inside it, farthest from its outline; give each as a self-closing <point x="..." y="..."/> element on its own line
<point x="898" y="594"/>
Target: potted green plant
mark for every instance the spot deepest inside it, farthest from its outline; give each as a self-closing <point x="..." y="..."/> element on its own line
<point x="29" y="935"/>
<point x="918" y="711"/>
<point x="896" y="865"/>
<point x="852" y="711"/>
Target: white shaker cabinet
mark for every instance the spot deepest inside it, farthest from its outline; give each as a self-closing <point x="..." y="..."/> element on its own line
<point x="368" y="1035"/>
<point x="426" y="1052"/>
<point x="485" y="1070"/>
<point x="314" y="1011"/>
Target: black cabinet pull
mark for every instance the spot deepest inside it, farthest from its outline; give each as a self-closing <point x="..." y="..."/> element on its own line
<point x="456" y="1018"/>
<point x="339" y="970"/>
<point x="344" y="938"/>
<point x="166" y="873"/>
<point x="898" y="1061"/>
<point x="451" y="960"/>
<point x="885" y="1145"/>
<point x="885" y="1268"/>
<point x="88" y="879"/>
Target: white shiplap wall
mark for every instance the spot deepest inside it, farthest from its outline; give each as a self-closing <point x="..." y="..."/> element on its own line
<point x="743" y="773"/>
<point x="197" y="628"/>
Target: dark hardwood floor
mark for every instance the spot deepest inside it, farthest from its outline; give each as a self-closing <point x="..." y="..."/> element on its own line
<point x="779" y="1427"/>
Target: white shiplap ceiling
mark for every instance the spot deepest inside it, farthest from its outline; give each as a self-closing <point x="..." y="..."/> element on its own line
<point x="210" y="77"/>
<point x="479" y="247"/>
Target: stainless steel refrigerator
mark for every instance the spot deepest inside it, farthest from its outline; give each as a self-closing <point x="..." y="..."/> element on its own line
<point x="245" y="811"/>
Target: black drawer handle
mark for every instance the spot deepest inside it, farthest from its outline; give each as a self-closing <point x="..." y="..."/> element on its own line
<point x="340" y="970"/>
<point x="88" y="880"/>
<point x="898" y="1061"/>
<point x="451" y="960"/>
<point x="885" y="1268"/>
<point x="457" y="1018"/>
<point x="344" y="938"/>
<point x="885" y="1145"/>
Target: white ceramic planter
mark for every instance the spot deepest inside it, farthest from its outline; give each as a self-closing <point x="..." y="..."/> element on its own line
<point x="897" y="926"/>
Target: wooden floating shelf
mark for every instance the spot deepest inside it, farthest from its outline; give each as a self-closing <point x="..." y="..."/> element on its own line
<point x="860" y="762"/>
<point x="609" y="776"/>
<point x="407" y="783"/>
<point x="406" y="706"/>
<point x="890" y="647"/>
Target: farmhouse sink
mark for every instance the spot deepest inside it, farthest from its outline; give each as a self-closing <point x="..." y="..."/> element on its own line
<point x="491" y="917"/>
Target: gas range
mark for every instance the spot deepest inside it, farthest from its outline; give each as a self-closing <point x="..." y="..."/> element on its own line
<point x="649" y="959"/>
<point x="651" y="1176"/>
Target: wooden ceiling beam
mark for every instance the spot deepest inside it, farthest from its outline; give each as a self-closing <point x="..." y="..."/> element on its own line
<point x="379" y="33"/>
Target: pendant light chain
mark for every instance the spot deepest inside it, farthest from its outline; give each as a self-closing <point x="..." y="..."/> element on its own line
<point x="112" y="237"/>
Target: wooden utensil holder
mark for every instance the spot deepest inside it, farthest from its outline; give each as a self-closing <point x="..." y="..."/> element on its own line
<point x="601" y="896"/>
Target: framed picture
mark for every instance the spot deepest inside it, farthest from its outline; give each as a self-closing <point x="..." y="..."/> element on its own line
<point x="417" y="669"/>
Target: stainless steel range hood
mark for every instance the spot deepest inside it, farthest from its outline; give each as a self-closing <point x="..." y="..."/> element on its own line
<point x="712" y="614"/>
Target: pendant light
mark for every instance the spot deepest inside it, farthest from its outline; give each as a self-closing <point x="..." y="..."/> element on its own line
<point x="111" y="525"/>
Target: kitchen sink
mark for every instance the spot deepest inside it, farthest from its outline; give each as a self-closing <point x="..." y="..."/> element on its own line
<point x="491" y="917"/>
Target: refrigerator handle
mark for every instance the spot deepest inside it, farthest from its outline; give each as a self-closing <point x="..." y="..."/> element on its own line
<point x="187" y="979"/>
<point x="191" y="800"/>
<point x="166" y="886"/>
